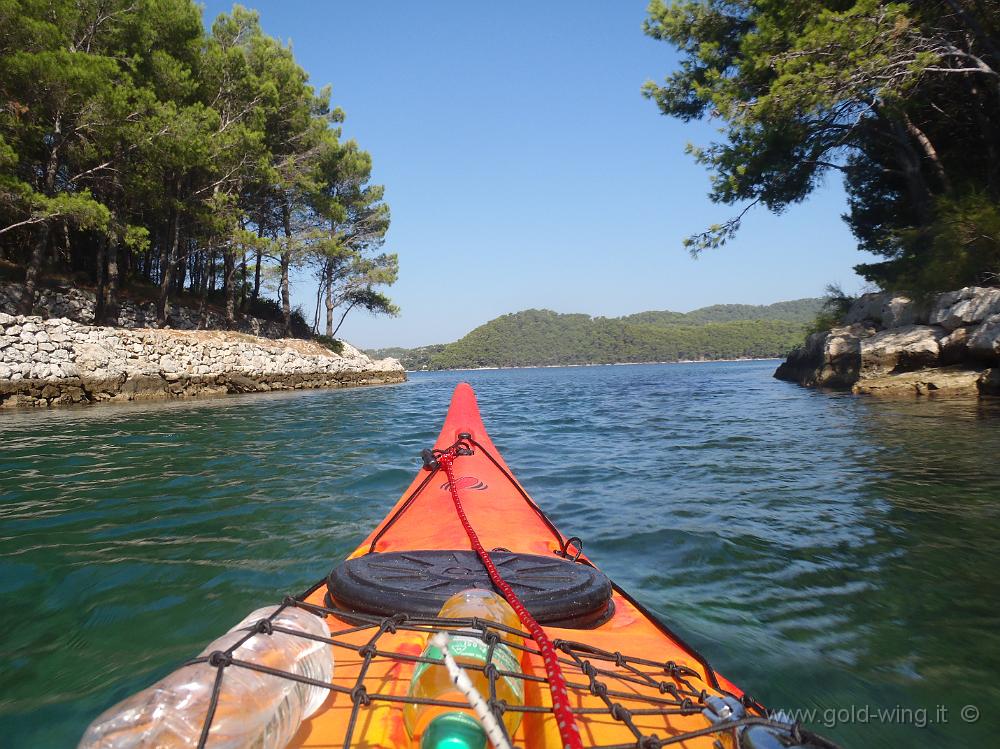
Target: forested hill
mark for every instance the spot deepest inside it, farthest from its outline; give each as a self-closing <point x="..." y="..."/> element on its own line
<point x="542" y="337"/>
<point x="798" y="310"/>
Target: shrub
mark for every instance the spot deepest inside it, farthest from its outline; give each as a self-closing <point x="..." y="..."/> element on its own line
<point x="836" y="303"/>
<point x="333" y="344"/>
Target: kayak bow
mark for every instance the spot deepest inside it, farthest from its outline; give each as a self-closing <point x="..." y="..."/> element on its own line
<point x="631" y="681"/>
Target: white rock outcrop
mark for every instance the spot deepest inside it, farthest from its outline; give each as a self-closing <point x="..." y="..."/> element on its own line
<point x="968" y="306"/>
<point x="55" y="361"/>
<point x="901" y="349"/>
<point x="885" y="310"/>
<point x="899" y="311"/>
<point x="829" y="359"/>
<point x="891" y="344"/>
<point x="984" y="341"/>
<point x="866" y="308"/>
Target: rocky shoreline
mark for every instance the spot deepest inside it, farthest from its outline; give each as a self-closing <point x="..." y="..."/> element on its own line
<point x="56" y="361"/>
<point x="893" y="345"/>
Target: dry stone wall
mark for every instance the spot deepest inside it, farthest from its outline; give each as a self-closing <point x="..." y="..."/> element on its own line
<point x="56" y="361"/>
<point x="79" y="305"/>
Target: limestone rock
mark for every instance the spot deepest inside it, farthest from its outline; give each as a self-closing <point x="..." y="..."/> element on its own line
<point x="57" y="361"/>
<point x="867" y="307"/>
<point x="901" y="350"/>
<point x="90" y="356"/>
<point x="989" y="382"/>
<point x="143" y="387"/>
<point x="831" y="359"/>
<point x="388" y="364"/>
<point x="984" y="342"/>
<point x="942" y="381"/>
<point x="891" y="347"/>
<point x="885" y="310"/>
<point x="954" y="346"/>
<point x="899" y="311"/>
<point x="18" y="400"/>
<point x="965" y="307"/>
<point x="237" y="383"/>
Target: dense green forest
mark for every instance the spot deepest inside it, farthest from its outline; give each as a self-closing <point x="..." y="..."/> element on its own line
<point x="143" y="155"/>
<point x="798" y="310"/>
<point x="901" y="99"/>
<point x="543" y="337"/>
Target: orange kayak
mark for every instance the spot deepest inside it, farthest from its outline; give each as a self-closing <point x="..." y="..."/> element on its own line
<point x="632" y="682"/>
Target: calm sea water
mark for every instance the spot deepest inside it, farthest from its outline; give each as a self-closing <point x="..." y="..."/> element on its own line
<point x="826" y="552"/>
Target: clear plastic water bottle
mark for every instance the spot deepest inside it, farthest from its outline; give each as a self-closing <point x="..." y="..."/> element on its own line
<point x="254" y="709"/>
<point x="437" y="726"/>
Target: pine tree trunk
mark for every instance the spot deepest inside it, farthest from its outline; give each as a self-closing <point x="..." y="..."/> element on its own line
<point x="181" y="273"/>
<point x="102" y="248"/>
<point x="909" y="162"/>
<point x="286" y="262"/>
<point x="197" y="268"/>
<point x="929" y="152"/>
<point x="34" y="270"/>
<point x="207" y="267"/>
<point x="111" y="308"/>
<point x="286" y="301"/>
<point x="146" y="259"/>
<point x="256" y="277"/>
<point x="342" y="318"/>
<point x="243" y="285"/>
<point x="319" y="295"/>
<point x="168" y="258"/>
<point x="40" y="250"/>
<point x="67" y="249"/>
<point x="257" y="265"/>
<point x="229" y="263"/>
<point x="329" y="304"/>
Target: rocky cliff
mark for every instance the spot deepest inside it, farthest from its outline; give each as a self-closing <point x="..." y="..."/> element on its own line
<point x="47" y="362"/>
<point x="890" y="344"/>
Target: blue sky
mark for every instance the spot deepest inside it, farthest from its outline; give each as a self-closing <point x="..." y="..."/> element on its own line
<point x="524" y="168"/>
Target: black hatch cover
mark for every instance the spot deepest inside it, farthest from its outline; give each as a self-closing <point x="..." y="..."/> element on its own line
<point x="557" y="592"/>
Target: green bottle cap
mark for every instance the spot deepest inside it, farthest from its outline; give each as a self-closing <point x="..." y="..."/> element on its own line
<point x="453" y="731"/>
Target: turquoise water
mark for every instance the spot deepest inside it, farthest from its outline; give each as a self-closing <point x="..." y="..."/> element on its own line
<point x="825" y="551"/>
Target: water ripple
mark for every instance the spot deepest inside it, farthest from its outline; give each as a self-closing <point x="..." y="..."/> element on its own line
<point x="823" y="550"/>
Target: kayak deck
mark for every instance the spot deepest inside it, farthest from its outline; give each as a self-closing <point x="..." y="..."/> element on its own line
<point x="618" y="699"/>
<point x="632" y="682"/>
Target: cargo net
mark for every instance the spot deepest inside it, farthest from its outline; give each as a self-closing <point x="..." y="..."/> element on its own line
<point x="599" y="681"/>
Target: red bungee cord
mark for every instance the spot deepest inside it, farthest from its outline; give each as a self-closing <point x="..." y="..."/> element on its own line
<point x="568" y="730"/>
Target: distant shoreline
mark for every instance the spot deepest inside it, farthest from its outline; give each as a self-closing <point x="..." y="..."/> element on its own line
<point x="719" y="332"/>
<point x="608" y="364"/>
